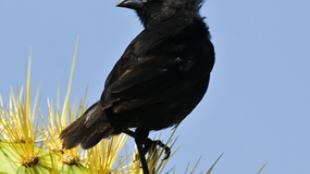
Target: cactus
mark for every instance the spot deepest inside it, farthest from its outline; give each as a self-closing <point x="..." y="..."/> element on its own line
<point x="32" y="148"/>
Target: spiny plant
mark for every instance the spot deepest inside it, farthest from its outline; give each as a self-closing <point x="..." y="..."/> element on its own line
<point x="27" y="147"/>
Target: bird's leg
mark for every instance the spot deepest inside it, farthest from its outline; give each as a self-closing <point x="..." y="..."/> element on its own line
<point x="149" y="143"/>
<point x="140" y="138"/>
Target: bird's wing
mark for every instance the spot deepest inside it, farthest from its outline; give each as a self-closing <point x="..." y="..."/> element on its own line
<point x="149" y="75"/>
<point x="144" y="84"/>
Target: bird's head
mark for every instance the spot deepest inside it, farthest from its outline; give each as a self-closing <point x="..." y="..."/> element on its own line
<point x="153" y="11"/>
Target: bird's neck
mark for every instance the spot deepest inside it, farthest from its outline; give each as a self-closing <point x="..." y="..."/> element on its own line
<point x="149" y="18"/>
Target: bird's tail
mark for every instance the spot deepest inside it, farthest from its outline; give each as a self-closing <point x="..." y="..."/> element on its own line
<point x="89" y="129"/>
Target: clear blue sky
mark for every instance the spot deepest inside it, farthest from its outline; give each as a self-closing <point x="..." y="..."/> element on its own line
<point x="257" y="107"/>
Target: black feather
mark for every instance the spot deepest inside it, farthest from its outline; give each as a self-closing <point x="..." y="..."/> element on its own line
<point x="89" y="129"/>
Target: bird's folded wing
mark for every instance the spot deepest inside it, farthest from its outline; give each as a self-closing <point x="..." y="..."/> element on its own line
<point x="143" y="85"/>
<point x="147" y="78"/>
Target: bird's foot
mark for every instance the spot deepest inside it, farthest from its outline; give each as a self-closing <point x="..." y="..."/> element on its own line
<point x="148" y="143"/>
<point x="153" y="143"/>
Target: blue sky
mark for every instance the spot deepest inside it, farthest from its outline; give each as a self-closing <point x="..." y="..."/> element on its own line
<point x="257" y="107"/>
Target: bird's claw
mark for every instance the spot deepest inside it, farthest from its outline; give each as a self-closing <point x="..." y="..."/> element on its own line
<point x="166" y="149"/>
<point x="167" y="152"/>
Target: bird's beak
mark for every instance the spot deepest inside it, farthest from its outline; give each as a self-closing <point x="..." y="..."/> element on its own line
<point x="133" y="4"/>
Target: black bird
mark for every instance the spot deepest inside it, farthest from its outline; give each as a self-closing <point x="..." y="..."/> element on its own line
<point x="161" y="77"/>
